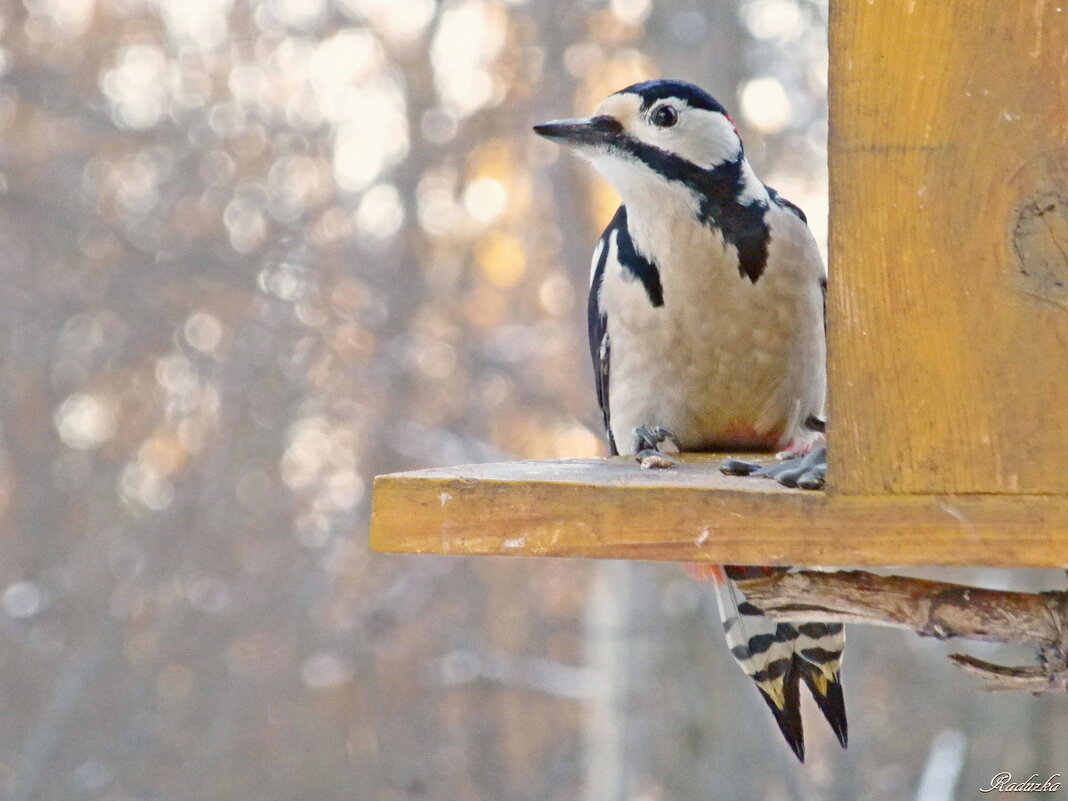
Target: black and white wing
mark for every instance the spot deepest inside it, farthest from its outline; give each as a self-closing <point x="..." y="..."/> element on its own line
<point x="597" y="319"/>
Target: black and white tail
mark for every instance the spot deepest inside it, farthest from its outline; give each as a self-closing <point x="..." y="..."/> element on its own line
<point x="780" y="656"/>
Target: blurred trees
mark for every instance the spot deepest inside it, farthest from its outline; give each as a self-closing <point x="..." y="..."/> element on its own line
<point x="254" y="253"/>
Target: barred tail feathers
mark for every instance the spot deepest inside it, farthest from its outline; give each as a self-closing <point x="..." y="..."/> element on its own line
<point x="779" y="656"/>
<point x="820" y="647"/>
<point x="765" y="651"/>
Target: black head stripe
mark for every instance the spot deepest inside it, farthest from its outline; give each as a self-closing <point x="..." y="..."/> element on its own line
<point x="743" y="225"/>
<point x="653" y="91"/>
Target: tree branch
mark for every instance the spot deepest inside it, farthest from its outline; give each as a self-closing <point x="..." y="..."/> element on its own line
<point x="932" y="609"/>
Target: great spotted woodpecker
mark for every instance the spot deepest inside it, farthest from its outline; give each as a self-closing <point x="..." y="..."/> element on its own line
<point x="706" y="323"/>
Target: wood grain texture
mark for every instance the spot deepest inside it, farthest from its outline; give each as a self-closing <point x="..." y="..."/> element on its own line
<point x="609" y="508"/>
<point x="948" y="305"/>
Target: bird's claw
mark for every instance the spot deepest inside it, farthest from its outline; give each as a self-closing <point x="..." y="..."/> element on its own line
<point x="645" y="444"/>
<point x="804" y="472"/>
<point x="651" y="437"/>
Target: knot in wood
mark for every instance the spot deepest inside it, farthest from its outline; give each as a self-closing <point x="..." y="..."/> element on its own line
<point x="1040" y="243"/>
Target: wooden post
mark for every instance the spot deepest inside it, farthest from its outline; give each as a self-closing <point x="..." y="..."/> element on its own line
<point x="949" y="246"/>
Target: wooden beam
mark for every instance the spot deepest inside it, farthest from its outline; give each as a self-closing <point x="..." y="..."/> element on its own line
<point x="609" y="508"/>
<point x="948" y="305"/>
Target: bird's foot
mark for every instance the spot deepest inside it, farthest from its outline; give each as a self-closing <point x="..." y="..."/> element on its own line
<point x="646" y="442"/>
<point x="804" y="472"/>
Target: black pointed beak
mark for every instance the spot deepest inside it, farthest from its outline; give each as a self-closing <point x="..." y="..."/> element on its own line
<point x="594" y="131"/>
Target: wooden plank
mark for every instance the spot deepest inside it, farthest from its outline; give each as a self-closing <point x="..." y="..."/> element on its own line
<point x="949" y="246"/>
<point x="609" y="508"/>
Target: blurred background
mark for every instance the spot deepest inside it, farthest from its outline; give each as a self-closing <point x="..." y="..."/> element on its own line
<point x="253" y="254"/>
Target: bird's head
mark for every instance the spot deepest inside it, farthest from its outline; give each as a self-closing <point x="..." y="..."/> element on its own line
<point x="649" y="132"/>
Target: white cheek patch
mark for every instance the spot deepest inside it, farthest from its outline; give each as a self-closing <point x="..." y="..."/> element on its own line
<point x="640" y="186"/>
<point x="704" y="138"/>
<point x="629" y="176"/>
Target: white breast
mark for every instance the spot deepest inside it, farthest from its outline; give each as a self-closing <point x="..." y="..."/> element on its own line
<point x="725" y="363"/>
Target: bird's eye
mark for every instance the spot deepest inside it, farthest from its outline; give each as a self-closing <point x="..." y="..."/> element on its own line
<point x="665" y="117"/>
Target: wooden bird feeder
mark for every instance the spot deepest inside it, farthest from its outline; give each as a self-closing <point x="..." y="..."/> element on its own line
<point x="947" y="326"/>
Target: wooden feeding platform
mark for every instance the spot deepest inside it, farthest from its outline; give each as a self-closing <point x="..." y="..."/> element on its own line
<point x="947" y="335"/>
<point x="610" y="508"/>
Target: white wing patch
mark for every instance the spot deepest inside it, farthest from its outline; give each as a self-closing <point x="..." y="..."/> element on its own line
<point x="596" y="258"/>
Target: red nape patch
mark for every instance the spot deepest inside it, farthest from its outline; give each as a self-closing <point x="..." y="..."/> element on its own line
<point x="702" y="571"/>
<point x="730" y="119"/>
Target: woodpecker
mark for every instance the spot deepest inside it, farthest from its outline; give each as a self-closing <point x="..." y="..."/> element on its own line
<point x="706" y="327"/>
